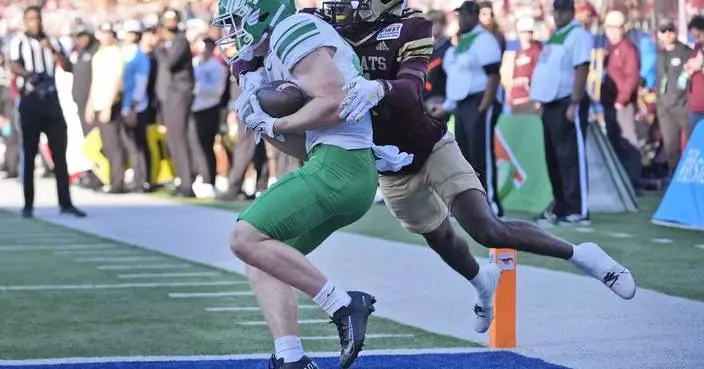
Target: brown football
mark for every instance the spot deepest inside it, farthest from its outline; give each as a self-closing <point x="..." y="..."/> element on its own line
<point x="281" y="98"/>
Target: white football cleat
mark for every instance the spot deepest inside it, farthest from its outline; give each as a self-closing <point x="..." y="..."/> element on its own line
<point x="592" y="260"/>
<point x="483" y="307"/>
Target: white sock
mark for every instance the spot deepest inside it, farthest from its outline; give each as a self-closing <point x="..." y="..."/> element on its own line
<point x="289" y="348"/>
<point x="480" y="282"/>
<point x="332" y="298"/>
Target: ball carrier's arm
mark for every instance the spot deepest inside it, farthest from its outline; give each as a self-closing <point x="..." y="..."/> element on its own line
<point x="294" y="143"/>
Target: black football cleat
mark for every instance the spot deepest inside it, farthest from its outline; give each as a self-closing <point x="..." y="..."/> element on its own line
<point x="351" y="322"/>
<point x="304" y="363"/>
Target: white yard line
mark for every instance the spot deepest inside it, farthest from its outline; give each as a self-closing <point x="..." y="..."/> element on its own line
<point x="54" y="248"/>
<point x="369" y="336"/>
<point x="68" y="287"/>
<point x="251" y="308"/>
<point x="168" y="275"/>
<point x="661" y="240"/>
<point x="143" y="266"/>
<point x="96" y="252"/>
<point x="179" y="295"/>
<point x="120" y="259"/>
<point x="701" y="247"/>
<point x="300" y="322"/>
<point x="260" y="356"/>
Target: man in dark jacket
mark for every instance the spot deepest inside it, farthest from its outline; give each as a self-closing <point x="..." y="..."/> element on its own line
<point x="86" y="46"/>
<point x="619" y="94"/>
<point x="672" y="91"/>
<point x="174" y="89"/>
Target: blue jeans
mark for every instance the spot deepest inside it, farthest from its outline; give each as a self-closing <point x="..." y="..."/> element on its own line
<point x="696" y="118"/>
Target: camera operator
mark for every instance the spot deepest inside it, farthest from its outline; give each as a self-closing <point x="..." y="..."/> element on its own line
<point x="34" y="57"/>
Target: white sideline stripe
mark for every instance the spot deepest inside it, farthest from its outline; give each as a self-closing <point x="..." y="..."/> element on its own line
<point x="55" y="248"/>
<point x="95" y="251"/>
<point x="261" y="356"/>
<point x="178" y="295"/>
<point x="250" y="308"/>
<point x="584" y="230"/>
<point x="143" y="266"/>
<point x="168" y="275"/>
<point x="369" y="336"/>
<point x="701" y="247"/>
<point x="121" y="259"/>
<point x="61" y="287"/>
<point x="302" y="322"/>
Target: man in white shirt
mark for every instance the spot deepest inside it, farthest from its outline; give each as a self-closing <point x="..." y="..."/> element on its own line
<point x="559" y="85"/>
<point x="211" y="78"/>
<point x="103" y="107"/>
<point x="472" y="69"/>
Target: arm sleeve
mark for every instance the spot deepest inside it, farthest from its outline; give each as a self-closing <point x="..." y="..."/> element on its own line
<point x="631" y="79"/>
<point x="490" y="50"/>
<point x="15" y="52"/>
<point x="178" y="54"/>
<point x="582" y="48"/>
<point x="413" y="59"/>
<point x="141" y="80"/>
<point x="296" y="37"/>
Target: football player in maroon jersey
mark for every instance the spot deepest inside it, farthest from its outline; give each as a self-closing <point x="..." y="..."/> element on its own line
<point x="394" y="45"/>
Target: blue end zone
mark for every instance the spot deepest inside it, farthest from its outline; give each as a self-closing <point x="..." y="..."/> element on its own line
<point x="487" y="360"/>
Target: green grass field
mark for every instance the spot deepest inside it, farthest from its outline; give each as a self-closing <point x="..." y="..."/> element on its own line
<point x="68" y="294"/>
<point x="662" y="259"/>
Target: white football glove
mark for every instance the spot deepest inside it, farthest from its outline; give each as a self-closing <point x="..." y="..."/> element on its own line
<point x="362" y="96"/>
<point x="260" y="122"/>
<point x="249" y="84"/>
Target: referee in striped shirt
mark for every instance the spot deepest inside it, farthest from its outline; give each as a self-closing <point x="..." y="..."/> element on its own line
<point x="34" y="57"/>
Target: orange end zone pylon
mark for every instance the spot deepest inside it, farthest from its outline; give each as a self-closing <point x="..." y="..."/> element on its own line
<point x="502" y="333"/>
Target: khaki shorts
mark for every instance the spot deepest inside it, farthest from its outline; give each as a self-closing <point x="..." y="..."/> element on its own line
<point x="421" y="201"/>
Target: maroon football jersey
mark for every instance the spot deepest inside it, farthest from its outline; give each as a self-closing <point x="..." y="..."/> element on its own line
<point x="399" y="52"/>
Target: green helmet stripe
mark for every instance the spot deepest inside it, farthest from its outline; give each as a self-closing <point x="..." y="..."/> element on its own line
<point x="293" y="34"/>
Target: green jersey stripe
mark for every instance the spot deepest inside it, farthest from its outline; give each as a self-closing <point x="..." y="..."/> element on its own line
<point x="285" y="33"/>
<point x="292" y="35"/>
<point x="298" y="42"/>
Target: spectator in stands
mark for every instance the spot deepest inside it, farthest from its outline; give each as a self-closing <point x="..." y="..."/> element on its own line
<point x="211" y="77"/>
<point x="672" y="111"/>
<point x="8" y="123"/>
<point x="488" y="21"/>
<point x="695" y="70"/>
<point x="524" y="64"/>
<point x="619" y="94"/>
<point x="135" y="102"/>
<point x="85" y="46"/>
<point x="147" y="44"/>
<point x="34" y="58"/>
<point x="103" y="107"/>
<point x="559" y="84"/>
<point x="437" y="79"/>
<point x="174" y="89"/>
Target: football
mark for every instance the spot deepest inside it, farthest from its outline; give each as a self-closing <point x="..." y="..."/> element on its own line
<point x="281" y="98"/>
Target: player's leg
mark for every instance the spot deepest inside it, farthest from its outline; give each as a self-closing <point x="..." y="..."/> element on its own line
<point x="456" y="183"/>
<point x="420" y="210"/>
<point x="279" y="306"/>
<point x="335" y="183"/>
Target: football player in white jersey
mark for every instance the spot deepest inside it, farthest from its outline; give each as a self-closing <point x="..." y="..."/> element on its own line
<point x="334" y="188"/>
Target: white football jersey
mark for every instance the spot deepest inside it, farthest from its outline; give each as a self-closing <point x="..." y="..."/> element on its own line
<point x="292" y="40"/>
